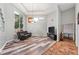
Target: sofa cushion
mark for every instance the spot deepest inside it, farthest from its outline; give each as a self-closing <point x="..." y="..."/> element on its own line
<point x="23" y="35"/>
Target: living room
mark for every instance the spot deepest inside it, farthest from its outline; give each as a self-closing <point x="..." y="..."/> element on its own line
<point x="25" y="22"/>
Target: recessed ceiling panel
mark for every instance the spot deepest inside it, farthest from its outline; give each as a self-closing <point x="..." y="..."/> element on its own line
<point x="38" y="6"/>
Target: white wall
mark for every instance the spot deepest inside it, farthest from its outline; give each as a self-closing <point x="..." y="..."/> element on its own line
<point x="8" y="13"/>
<point x="77" y="25"/>
<point x="1" y="33"/>
<point x="41" y="27"/>
<point x="68" y="21"/>
<point x="59" y="26"/>
<point x="52" y="20"/>
<point x="38" y="28"/>
<point x="68" y="16"/>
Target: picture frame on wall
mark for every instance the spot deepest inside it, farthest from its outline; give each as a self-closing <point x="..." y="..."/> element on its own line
<point x="2" y="23"/>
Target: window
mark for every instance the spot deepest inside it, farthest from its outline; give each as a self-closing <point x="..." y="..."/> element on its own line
<point x="18" y="22"/>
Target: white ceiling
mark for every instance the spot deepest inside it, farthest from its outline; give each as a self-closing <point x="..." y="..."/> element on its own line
<point x="42" y="8"/>
<point x="65" y="6"/>
<point x="38" y="6"/>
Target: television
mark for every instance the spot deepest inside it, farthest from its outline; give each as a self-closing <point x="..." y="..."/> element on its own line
<point x="51" y="30"/>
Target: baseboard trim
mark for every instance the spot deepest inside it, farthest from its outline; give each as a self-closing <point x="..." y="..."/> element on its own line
<point x="53" y="43"/>
<point x="4" y="45"/>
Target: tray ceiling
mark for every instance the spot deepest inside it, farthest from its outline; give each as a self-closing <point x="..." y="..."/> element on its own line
<point x="42" y="8"/>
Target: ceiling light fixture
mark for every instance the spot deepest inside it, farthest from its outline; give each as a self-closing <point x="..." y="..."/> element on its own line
<point x="32" y="19"/>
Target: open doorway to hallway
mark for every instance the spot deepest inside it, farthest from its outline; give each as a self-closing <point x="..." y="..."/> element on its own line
<point x="68" y="24"/>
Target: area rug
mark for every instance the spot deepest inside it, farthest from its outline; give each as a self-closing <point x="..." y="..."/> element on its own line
<point x="30" y="46"/>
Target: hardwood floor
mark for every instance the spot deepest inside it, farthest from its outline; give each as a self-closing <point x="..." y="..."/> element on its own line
<point x="40" y="46"/>
<point x="31" y="46"/>
<point x="66" y="47"/>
